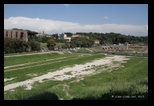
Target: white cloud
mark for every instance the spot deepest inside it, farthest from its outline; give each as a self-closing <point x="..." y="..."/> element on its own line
<point x="66" y="5"/>
<point x="105" y="17"/>
<point x="52" y="26"/>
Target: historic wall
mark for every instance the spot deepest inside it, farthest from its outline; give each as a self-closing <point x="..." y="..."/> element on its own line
<point x="20" y="34"/>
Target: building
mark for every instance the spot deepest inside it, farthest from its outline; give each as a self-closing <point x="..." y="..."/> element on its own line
<point x="64" y="36"/>
<point x="68" y="39"/>
<point x="76" y="36"/>
<point x="41" y="34"/>
<point x="20" y="34"/>
<point x="96" y="42"/>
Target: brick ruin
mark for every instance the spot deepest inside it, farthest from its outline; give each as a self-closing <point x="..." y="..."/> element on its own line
<point x="116" y="47"/>
<point x="20" y="34"/>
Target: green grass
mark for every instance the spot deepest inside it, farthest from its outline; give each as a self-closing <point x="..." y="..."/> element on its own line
<point x="14" y="54"/>
<point x="131" y="80"/>
<point x="124" y="81"/>
<point x="96" y="49"/>
<point x="30" y="58"/>
<point x="68" y="73"/>
<point x="21" y="74"/>
<point x="135" y="46"/>
<point x="43" y="45"/>
<point x="60" y="44"/>
<point x="138" y="48"/>
<point x="83" y="50"/>
<point x="38" y="63"/>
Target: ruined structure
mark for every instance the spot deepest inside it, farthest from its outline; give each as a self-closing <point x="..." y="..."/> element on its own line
<point x="113" y="48"/>
<point x="20" y="34"/>
<point x="124" y="47"/>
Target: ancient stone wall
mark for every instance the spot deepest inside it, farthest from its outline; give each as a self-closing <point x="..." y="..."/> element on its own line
<point x="20" y="34"/>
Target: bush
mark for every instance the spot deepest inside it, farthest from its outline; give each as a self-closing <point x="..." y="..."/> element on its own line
<point x="35" y="45"/>
<point x="14" y="45"/>
<point x="51" y="44"/>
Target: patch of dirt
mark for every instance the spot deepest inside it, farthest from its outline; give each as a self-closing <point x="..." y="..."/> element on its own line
<point x="32" y="75"/>
<point x="65" y="89"/>
<point x="28" y="87"/>
<point x="8" y="79"/>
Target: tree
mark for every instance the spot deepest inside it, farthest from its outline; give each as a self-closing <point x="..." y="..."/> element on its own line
<point x="65" y="46"/>
<point x="55" y="36"/>
<point x="51" y="44"/>
<point x="7" y="45"/>
<point x="45" y="39"/>
<point x="31" y="35"/>
<point x="68" y="34"/>
<point x="82" y="42"/>
<point x="14" y="45"/>
<point x="34" y="45"/>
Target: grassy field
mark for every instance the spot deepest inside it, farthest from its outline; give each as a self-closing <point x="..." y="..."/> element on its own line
<point x="83" y="50"/>
<point x="130" y="80"/>
<point x="97" y="49"/>
<point x="29" y="58"/>
<point x="43" y="66"/>
<point x="43" y="45"/>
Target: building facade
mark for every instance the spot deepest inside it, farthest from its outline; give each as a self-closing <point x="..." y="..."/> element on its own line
<point x="19" y="34"/>
<point x="96" y="42"/>
<point x="68" y="39"/>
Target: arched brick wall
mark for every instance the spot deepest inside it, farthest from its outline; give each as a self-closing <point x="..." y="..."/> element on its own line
<point x="20" y="34"/>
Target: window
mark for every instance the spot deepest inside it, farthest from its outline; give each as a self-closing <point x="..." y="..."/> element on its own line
<point x="16" y="34"/>
<point x="11" y="34"/>
<point x="21" y="35"/>
<point x="6" y="33"/>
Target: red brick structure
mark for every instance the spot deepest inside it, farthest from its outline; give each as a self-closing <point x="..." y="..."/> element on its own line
<point x="20" y="34"/>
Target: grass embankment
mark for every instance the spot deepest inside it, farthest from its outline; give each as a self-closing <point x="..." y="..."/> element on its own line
<point x="97" y="49"/>
<point x="138" y="48"/>
<point x="130" y="80"/>
<point x="83" y="50"/>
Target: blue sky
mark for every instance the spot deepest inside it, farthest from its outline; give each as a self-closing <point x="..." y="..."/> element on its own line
<point x="79" y="17"/>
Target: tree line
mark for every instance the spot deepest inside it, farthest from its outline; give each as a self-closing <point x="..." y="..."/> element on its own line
<point x="104" y="38"/>
<point x="17" y="45"/>
<point x="87" y="40"/>
<point x="115" y="38"/>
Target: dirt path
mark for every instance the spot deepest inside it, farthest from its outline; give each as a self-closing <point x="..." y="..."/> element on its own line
<point x="76" y="71"/>
<point x="36" y="53"/>
<point x="89" y="50"/>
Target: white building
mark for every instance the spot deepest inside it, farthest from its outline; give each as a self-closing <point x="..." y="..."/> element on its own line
<point x="64" y="36"/>
<point x="40" y="34"/>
